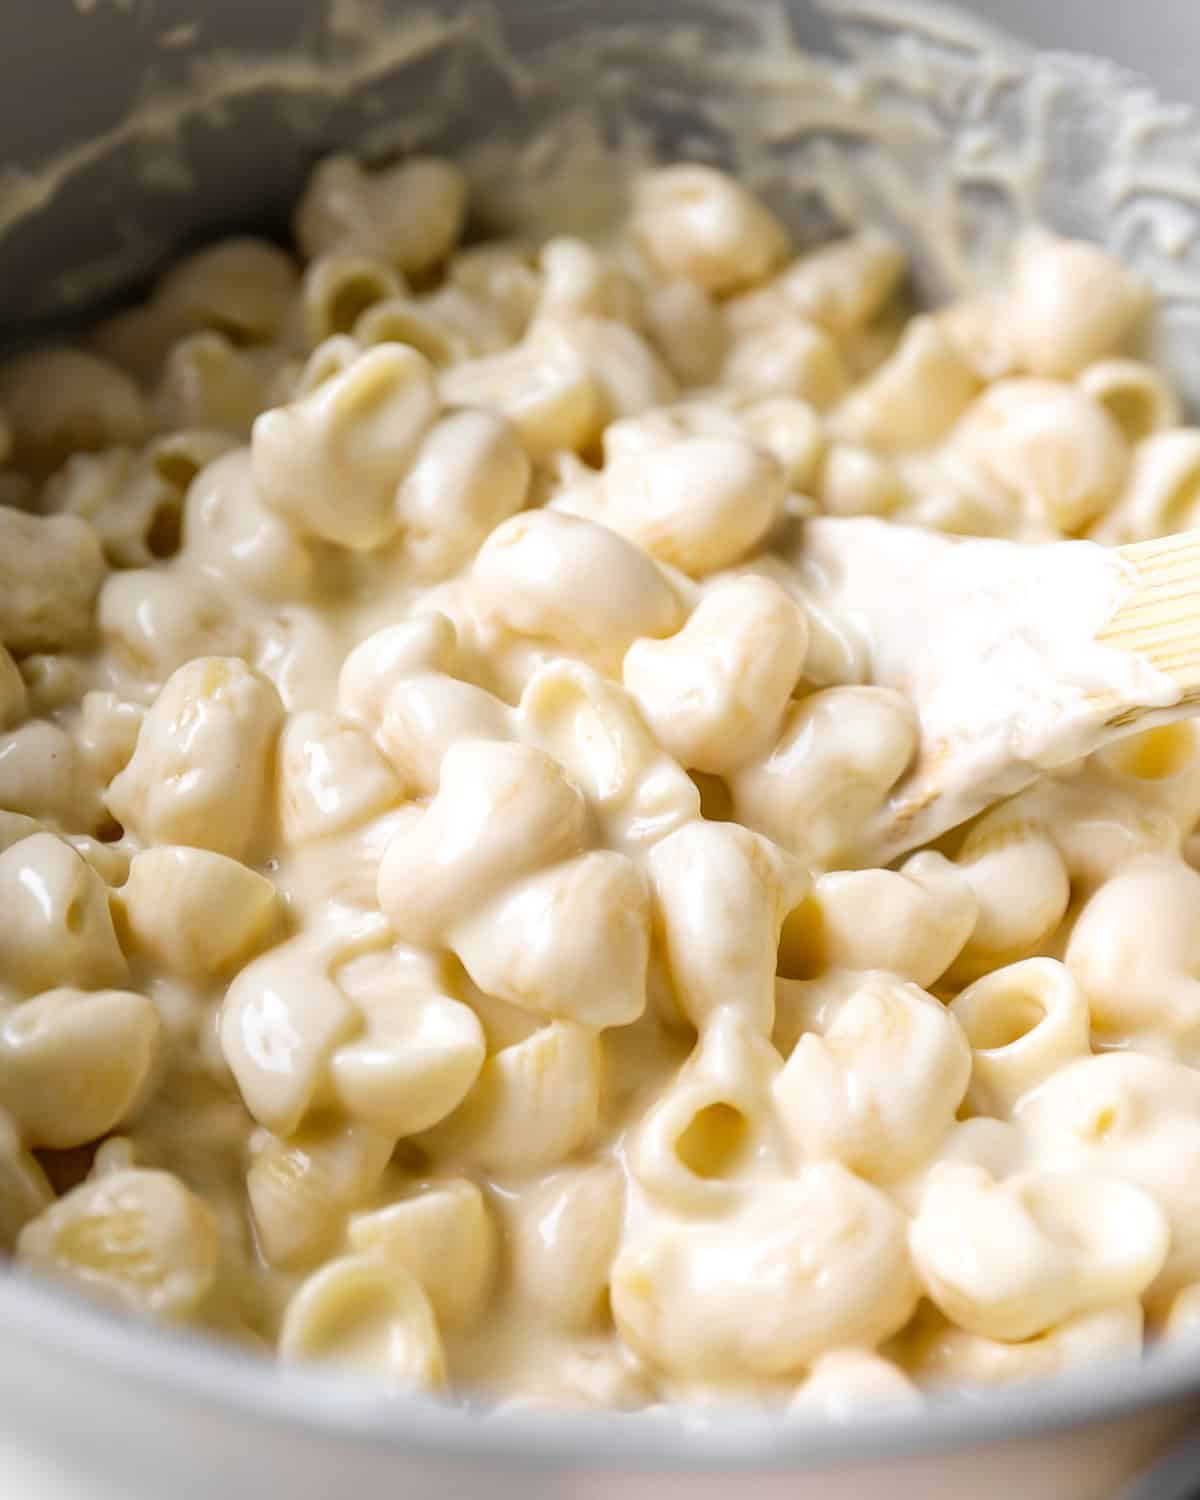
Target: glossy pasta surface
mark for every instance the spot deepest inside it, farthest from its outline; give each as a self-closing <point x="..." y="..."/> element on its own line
<point x="434" y="941"/>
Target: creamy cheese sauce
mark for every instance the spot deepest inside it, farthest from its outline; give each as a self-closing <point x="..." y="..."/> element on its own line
<point x="437" y="751"/>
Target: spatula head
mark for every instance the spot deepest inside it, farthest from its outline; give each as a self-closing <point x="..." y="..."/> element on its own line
<point x="1001" y="648"/>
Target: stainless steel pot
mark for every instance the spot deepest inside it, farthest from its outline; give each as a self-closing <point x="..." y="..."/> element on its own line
<point x="133" y="127"/>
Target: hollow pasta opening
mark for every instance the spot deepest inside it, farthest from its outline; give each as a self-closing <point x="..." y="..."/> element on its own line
<point x="1133" y="408"/>
<point x="1156" y="754"/>
<point x="714" y="1141"/>
<point x="350" y="300"/>
<point x="1007" y="1017"/>
<point x="165" y="531"/>
<point x="176" y="466"/>
<point x="802" y="942"/>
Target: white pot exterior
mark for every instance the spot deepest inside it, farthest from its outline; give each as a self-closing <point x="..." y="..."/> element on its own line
<point x="96" y="1408"/>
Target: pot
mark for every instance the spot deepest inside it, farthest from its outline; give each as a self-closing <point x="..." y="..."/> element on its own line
<point x="134" y="129"/>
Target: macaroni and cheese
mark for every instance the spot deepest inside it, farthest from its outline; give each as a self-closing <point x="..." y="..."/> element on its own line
<point x="436" y="936"/>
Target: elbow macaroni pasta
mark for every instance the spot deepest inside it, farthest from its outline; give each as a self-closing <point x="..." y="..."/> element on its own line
<point x="432" y="783"/>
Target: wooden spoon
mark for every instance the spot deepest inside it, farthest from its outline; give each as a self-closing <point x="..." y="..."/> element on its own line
<point x="1017" y="658"/>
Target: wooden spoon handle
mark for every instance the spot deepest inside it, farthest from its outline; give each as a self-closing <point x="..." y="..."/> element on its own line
<point x="1159" y="620"/>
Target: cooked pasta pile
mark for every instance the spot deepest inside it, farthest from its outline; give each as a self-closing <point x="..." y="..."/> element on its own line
<point x="434" y="936"/>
